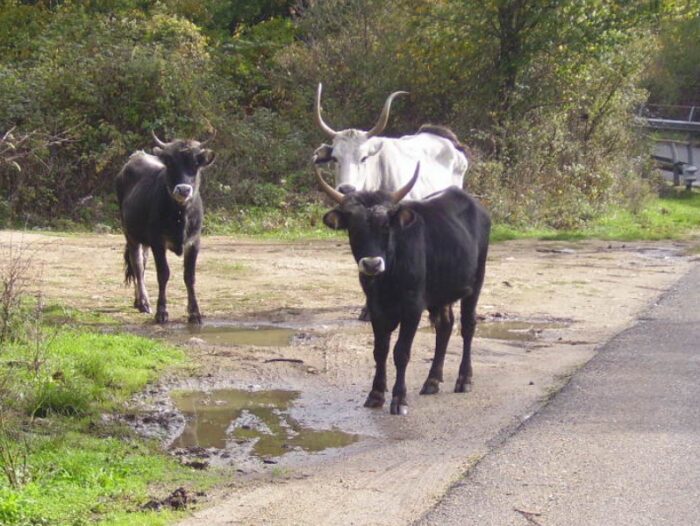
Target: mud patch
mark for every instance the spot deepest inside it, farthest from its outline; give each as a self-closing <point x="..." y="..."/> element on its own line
<point x="179" y="499"/>
<point x="256" y="420"/>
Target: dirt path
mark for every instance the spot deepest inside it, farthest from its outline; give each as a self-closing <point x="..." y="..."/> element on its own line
<point x="588" y="291"/>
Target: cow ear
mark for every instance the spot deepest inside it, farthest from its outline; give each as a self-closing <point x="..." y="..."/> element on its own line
<point x="157" y="151"/>
<point x="404" y="217"/>
<point x="205" y="158"/>
<point x="323" y="154"/>
<point x="335" y="220"/>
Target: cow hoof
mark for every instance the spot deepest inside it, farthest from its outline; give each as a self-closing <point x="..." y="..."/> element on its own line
<point x="431" y="386"/>
<point x="374" y="400"/>
<point x="364" y="315"/>
<point x="142" y="306"/>
<point x="398" y="407"/>
<point x="463" y="385"/>
<point x="195" y="318"/>
<point x="162" y="316"/>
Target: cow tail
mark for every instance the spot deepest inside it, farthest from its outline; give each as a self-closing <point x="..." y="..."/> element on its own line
<point x="128" y="269"/>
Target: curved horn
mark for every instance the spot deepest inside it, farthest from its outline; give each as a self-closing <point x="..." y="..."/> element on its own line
<point x="403" y="192"/>
<point x="317" y="114"/>
<point x="211" y="137"/>
<point x="328" y="189"/>
<point x="158" y="141"/>
<point x="208" y="139"/>
<point x="384" y="116"/>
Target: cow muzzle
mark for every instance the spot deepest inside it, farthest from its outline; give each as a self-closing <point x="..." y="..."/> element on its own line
<point x="371" y="266"/>
<point x="183" y="193"/>
<point x="346" y="188"/>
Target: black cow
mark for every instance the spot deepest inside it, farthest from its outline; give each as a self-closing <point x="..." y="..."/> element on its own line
<point x="160" y="207"/>
<point x="413" y="256"/>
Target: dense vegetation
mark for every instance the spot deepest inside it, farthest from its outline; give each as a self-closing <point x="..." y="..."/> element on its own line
<point x="544" y="92"/>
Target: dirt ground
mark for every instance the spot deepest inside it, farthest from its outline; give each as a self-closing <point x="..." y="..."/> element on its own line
<point x="582" y="293"/>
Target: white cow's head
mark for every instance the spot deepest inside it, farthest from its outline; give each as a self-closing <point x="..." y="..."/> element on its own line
<point x="351" y="148"/>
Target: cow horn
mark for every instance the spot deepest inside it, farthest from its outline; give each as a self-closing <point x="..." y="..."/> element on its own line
<point x="319" y="120"/>
<point x="403" y="192"/>
<point x="158" y="141"/>
<point x="384" y="116"/>
<point x="328" y="189"/>
<point x="208" y="139"/>
<point x="211" y="137"/>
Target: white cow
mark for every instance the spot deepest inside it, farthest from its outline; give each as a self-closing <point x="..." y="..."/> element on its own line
<point x="364" y="161"/>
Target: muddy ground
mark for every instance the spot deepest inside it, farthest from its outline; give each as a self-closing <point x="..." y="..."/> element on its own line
<point x="572" y="297"/>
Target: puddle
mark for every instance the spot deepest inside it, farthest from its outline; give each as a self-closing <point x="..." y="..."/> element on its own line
<point x="217" y="418"/>
<point x="660" y="252"/>
<point x="217" y="333"/>
<point x="522" y="331"/>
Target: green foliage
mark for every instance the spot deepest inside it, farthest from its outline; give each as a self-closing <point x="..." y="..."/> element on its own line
<point x="544" y="93"/>
<point x="674" y="75"/>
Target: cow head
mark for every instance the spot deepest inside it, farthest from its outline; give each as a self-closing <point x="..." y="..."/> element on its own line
<point x="351" y="149"/>
<point x="183" y="161"/>
<point x="370" y="218"/>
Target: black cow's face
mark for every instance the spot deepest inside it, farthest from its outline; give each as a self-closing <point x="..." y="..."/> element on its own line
<point x="183" y="160"/>
<point x="372" y="222"/>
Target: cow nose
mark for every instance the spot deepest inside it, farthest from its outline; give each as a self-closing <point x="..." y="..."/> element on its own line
<point x="182" y="191"/>
<point x="346" y="189"/>
<point x="371" y="266"/>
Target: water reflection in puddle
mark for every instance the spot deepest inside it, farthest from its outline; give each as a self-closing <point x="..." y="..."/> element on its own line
<point x="215" y="333"/>
<point x="512" y="330"/>
<point x="215" y="418"/>
<point x="523" y="331"/>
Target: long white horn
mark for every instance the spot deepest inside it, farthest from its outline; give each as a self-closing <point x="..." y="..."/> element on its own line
<point x="384" y="116"/>
<point x="158" y="141"/>
<point x="317" y="114"/>
<point x="403" y="192"/>
<point x="332" y="193"/>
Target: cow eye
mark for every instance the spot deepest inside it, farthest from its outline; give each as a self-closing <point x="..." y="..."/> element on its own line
<point x="364" y="158"/>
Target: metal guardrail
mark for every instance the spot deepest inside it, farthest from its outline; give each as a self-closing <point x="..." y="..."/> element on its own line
<point x="672" y="118"/>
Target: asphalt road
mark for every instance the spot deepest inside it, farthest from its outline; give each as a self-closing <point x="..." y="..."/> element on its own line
<point x="619" y="445"/>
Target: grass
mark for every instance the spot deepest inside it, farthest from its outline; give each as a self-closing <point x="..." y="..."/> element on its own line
<point x="80" y="467"/>
<point x="662" y="218"/>
<point x="271" y="223"/>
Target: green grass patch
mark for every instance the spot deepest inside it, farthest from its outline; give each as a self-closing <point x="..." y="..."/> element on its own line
<point x="662" y="218"/>
<point x="81" y="468"/>
<point x="59" y="314"/>
<point x="79" y="372"/>
<point x="82" y="479"/>
<point x="304" y="222"/>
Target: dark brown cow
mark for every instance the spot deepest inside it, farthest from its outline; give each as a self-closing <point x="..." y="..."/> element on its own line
<point x="161" y="208"/>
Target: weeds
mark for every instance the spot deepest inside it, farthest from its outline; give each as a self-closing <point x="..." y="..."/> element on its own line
<point x="14" y="271"/>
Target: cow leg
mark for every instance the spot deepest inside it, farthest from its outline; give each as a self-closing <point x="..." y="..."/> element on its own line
<point x="193" y="315"/>
<point x="163" y="276"/>
<point x="137" y="260"/>
<point x="364" y="314"/>
<point x="468" y="321"/>
<point x="382" y="339"/>
<point x="443" y="319"/>
<point x="402" y="354"/>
